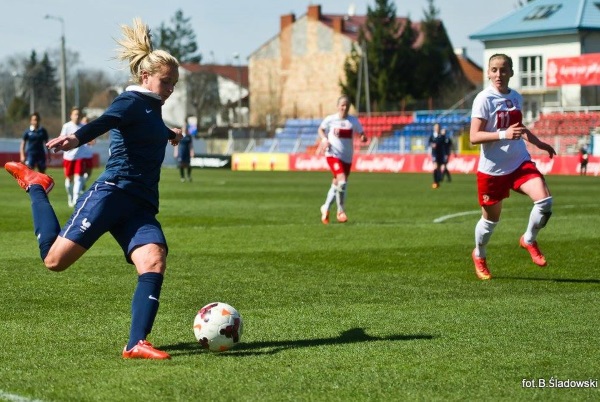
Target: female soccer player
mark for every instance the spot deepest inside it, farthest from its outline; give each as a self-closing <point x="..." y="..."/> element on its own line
<point x="32" y="150"/>
<point x="337" y="132"/>
<point x="505" y="163"/>
<point x="183" y="153"/>
<point x="73" y="161"/>
<point x="124" y="199"/>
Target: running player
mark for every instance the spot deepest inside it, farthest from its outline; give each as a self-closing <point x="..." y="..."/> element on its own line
<point x="505" y="163"/>
<point x="337" y="138"/>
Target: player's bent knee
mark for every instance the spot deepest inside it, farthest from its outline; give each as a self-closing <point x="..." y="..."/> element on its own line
<point x="150" y="258"/>
<point x="55" y="265"/>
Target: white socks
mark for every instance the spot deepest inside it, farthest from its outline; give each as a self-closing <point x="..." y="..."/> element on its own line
<point x="330" y="196"/>
<point x="483" y="233"/>
<point x="69" y="188"/>
<point x="540" y="213"/>
<point x="340" y="195"/>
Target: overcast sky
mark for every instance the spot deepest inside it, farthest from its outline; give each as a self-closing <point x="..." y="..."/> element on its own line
<point x="222" y="27"/>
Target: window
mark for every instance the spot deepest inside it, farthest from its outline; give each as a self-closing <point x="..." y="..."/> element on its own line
<point x="531" y="72"/>
<point x="543" y="12"/>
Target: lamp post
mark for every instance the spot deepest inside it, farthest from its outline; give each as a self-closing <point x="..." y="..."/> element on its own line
<point x="63" y="66"/>
<point x="239" y="77"/>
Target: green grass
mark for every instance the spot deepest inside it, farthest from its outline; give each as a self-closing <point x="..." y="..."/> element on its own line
<point x="385" y="307"/>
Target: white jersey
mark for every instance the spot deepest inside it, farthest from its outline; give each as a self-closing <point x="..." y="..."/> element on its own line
<point x="339" y="133"/>
<point x="500" y="111"/>
<point x="70" y="128"/>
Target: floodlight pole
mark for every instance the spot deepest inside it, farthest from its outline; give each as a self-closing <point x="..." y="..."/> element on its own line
<point x="63" y="66"/>
<point x="239" y="77"/>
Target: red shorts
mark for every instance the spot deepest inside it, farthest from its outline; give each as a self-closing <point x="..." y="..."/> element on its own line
<point x="493" y="189"/>
<point x="76" y="167"/>
<point x="337" y="166"/>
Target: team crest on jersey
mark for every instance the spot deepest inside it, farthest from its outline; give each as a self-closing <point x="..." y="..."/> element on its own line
<point x="509" y="104"/>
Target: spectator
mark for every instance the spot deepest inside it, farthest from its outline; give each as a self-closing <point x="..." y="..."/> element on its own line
<point x="583" y="160"/>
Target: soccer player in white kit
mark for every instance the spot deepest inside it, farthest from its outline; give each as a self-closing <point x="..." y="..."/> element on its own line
<point x="73" y="160"/>
<point x="505" y="163"/>
<point x="337" y="132"/>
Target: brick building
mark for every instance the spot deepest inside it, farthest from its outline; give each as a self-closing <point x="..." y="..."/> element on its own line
<point x="296" y="74"/>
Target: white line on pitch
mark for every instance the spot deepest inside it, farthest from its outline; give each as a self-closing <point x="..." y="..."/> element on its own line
<point x="15" y="398"/>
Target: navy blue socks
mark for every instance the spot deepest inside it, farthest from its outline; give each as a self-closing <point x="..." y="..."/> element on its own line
<point x="144" y="306"/>
<point x="45" y="223"/>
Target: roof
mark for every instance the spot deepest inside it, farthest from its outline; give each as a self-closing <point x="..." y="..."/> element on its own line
<point x="544" y="17"/>
<point x="472" y="71"/>
<point x="228" y="71"/>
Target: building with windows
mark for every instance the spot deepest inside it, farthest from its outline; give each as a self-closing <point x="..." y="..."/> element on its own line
<point x="297" y="73"/>
<point x="540" y="37"/>
<point x="213" y="94"/>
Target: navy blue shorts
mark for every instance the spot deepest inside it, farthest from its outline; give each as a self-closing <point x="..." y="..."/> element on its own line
<point x="35" y="160"/>
<point x="106" y="208"/>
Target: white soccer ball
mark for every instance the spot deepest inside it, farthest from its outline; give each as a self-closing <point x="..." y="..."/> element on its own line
<point x="218" y="327"/>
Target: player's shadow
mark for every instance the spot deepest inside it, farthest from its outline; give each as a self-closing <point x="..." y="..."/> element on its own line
<point x="354" y="335"/>
<point x="558" y="280"/>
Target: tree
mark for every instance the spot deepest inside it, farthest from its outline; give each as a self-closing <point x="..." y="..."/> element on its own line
<point x="179" y="39"/>
<point x="46" y="86"/>
<point x="433" y="59"/>
<point x="91" y="82"/>
<point x="390" y="57"/>
<point x="400" y="74"/>
<point x="203" y="92"/>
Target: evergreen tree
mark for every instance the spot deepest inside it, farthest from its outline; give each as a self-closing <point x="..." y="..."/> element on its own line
<point x="47" y="86"/>
<point x="389" y="56"/>
<point x="40" y="84"/>
<point x="179" y="39"/>
<point x="434" y="57"/>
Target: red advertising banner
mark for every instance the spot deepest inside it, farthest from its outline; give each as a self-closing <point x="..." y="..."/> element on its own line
<point x="56" y="160"/>
<point x="581" y="70"/>
<point x="420" y="163"/>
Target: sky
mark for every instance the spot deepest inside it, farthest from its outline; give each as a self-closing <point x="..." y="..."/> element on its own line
<point x="223" y="28"/>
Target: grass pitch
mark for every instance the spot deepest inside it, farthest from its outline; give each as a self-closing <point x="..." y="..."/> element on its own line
<point x="384" y="307"/>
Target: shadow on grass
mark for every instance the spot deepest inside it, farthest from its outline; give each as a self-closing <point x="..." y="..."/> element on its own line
<point x="353" y="335"/>
<point x="559" y="280"/>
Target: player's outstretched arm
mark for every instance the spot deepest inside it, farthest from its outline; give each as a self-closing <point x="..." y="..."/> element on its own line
<point x="534" y="140"/>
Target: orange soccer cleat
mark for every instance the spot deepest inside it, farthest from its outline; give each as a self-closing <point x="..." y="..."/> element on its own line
<point x="534" y="251"/>
<point x="481" y="269"/>
<point x="324" y="214"/>
<point x="341" y="217"/>
<point x="144" y="350"/>
<point x="27" y="177"/>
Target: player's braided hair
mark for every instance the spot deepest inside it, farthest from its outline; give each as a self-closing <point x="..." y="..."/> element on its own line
<point x="136" y="49"/>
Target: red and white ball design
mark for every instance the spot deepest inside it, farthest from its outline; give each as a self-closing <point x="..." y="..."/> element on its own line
<point x="218" y="327"/>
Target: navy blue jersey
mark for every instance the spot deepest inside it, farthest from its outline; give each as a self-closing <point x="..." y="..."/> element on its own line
<point x="35" y="141"/>
<point x="185" y="146"/>
<point x="138" y="138"/>
<point x="442" y="146"/>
